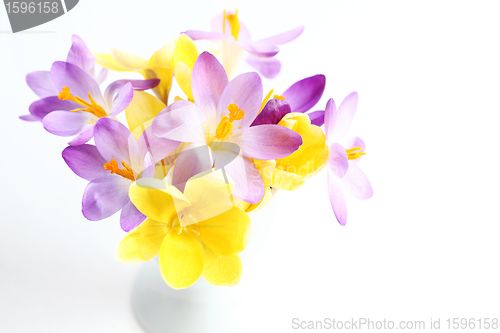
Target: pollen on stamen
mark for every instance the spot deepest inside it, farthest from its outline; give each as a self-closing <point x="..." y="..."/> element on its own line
<point x="354" y="153"/>
<point x="279" y="97"/>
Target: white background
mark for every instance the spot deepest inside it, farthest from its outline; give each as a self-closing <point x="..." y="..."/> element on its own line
<point x="426" y="245"/>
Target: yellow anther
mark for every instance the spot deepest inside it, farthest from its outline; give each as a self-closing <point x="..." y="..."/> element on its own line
<point x="224" y="128"/>
<point x="354" y="153"/>
<point x="279" y="97"/>
<point x="91" y="107"/>
<point x="127" y="172"/>
<point x="233" y="23"/>
<point x="235" y="113"/>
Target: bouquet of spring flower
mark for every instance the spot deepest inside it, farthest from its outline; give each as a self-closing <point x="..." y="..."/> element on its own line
<point x="186" y="173"/>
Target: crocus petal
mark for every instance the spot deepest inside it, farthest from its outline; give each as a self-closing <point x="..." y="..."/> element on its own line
<point x="112" y="140"/>
<point x="193" y="160"/>
<point x="272" y="113"/>
<point x="356" y="183"/>
<point x="143" y="243"/>
<point x="41" y="84"/>
<point x="282" y="38"/>
<point x="304" y="94"/>
<point x="105" y="196"/>
<point x="128" y="60"/>
<point x="103" y="73"/>
<point x="337" y="198"/>
<point x="208" y="190"/>
<point x="39" y="109"/>
<point x="29" y="117"/>
<point x="268" y="67"/>
<point x="207" y="83"/>
<point x="82" y="137"/>
<point x="114" y="87"/>
<point x="338" y="162"/>
<point x="227" y="233"/>
<point x="122" y="99"/>
<point x="222" y="270"/>
<point x="130" y="217"/>
<point x="286" y="181"/>
<point x="184" y="51"/>
<point x="268" y="142"/>
<point x="64" y="123"/>
<point x="202" y="35"/>
<point x="159" y="204"/>
<point x="79" y="55"/>
<point x="356" y="142"/>
<point x="159" y="148"/>
<point x="246" y="92"/>
<point x="107" y="61"/>
<point x="141" y="111"/>
<point x="183" y="77"/>
<point x="341" y="120"/>
<point x="330" y="114"/>
<point x="77" y="80"/>
<point x="85" y="161"/>
<point x="258" y="50"/>
<point x="317" y="117"/>
<point x="181" y="259"/>
<point x="249" y="185"/>
<point x="180" y="121"/>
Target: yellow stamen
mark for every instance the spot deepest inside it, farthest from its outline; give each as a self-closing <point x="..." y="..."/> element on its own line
<point x="266" y="99"/>
<point x="354" y="153"/>
<point x="225" y="126"/>
<point x="127" y="172"/>
<point x="233" y="23"/>
<point x="93" y="107"/>
<point x="279" y="97"/>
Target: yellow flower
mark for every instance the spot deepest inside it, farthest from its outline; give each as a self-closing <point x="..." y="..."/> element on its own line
<point x="198" y="232"/>
<point x="176" y="56"/>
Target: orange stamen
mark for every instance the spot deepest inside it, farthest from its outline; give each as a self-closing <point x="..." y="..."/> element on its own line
<point x="354" y="153"/>
<point x="279" y="97"/>
<point x="93" y="107"/>
<point x="127" y="172"/>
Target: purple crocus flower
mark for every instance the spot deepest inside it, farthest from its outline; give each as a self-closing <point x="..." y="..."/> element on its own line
<point x="111" y="166"/>
<point x="75" y="109"/>
<point x="235" y="37"/>
<point x="79" y="55"/>
<point x="221" y="120"/>
<point x="300" y="97"/>
<point x="343" y="171"/>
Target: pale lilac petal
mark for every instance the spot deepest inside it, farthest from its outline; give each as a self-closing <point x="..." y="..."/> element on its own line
<point x="79" y="55"/>
<point x="258" y="50"/>
<point x="338" y="160"/>
<point x="180" y="121"/>
<point x="39" y="109"/>
<point x="114" y="87"/>
<point x="82" y="137"/>
<point x="130" y="217"/>
<point x="105" y="196"/>
<point x="343" y="118"/>
<point x="149" y="166"/>
<point x="355" y="142"/>
<point x="65" y="123"/>
<point x="207" y="83"/>
<point x="272" y="113"/>
<point x="64" y="74"/>
<point x="268" y="142"/>
<point x="337" y="198"/>
<point x="112" y="140"/>
<point x="122" y="99"/>
<point x="268" y="67"/>
<point x="103" y="73"/>
<point x="330" y="115"/>
<point x="304" y="94"/>
<point x="85" y="161"/>
<point x="158" y="147"/>
<point x="248" y="183"/>
<point x="246" y="92"/>
<point x="207" y="35"/>
<point x="282" y="38"/>
<point x="193" y="160"/>
<point x="41" y="84"/>
<point x="356" y="183"/>
<point x="317" y="117"/>
<point x="29" y="117"/>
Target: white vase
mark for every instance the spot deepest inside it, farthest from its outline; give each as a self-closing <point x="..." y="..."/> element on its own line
<point x="202" y="307"/>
